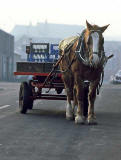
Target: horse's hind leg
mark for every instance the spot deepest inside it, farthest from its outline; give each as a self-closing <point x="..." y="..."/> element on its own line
<point x="85" y="101"/>
<point x="68" y="83"/>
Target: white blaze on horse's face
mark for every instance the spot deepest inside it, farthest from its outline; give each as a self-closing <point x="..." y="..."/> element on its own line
<point x="95" y="49"/>
<point x="95" y="40"/>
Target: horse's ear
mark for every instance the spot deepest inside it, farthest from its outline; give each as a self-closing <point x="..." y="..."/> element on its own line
<point x="104" y="28"/>
<point x="89" y="26"/>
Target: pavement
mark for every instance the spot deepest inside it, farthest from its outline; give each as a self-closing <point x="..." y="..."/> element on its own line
<point x="44" y="133"/>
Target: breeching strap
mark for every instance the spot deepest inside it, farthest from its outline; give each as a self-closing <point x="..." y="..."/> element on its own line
<point x="100" y="83"/>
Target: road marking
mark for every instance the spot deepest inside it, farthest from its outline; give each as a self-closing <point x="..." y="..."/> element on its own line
<point x="5" y="106"/>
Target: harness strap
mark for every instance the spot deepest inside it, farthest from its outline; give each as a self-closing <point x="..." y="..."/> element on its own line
<point x="100" y="83"/>
<point x="69" y="65"/>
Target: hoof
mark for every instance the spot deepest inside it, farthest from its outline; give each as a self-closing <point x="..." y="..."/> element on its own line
<point x="75" y="111"/>
<point x="92" y="121"/>
<point x="79" y="120"/>
<point x="70" y="117"/>
<point x="69" y="113"/>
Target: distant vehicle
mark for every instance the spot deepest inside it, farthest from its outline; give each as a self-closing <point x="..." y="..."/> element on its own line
<point x="116" y="79"/>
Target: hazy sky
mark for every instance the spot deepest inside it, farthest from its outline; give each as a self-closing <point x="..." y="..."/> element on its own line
<point x="62" y="11"/>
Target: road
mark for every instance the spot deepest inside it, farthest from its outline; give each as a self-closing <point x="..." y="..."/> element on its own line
<point x="45" y="134"/>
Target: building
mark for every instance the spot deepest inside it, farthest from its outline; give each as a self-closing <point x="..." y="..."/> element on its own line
<point x="6" y="56"/>
<point x="17" y="58"/>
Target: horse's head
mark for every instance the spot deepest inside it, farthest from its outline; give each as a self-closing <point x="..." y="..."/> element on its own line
<point x="94" y="41"/>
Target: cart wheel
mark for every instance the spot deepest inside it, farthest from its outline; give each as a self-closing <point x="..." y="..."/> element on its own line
<point x="24" y="97"/>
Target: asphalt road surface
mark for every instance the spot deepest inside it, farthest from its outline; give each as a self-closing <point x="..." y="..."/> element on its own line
<point x="45" y="134"/>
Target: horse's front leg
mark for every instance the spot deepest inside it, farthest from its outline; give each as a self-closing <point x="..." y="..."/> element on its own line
<point x="79" y="119"/>
<point x="91" y="100"/>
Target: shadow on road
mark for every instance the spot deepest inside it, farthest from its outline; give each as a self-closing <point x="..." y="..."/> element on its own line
<point x="46" y="113"/>
<point x="103" y="118"/>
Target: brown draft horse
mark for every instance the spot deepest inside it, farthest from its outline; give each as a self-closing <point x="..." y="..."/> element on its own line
<point x="83" y="61"/>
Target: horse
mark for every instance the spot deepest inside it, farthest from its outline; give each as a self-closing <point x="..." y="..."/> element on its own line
<point x="84" y="60"/>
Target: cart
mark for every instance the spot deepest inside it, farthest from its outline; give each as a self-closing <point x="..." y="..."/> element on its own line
<point x="41" y="58"/>
<point x="42" y="65"/>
